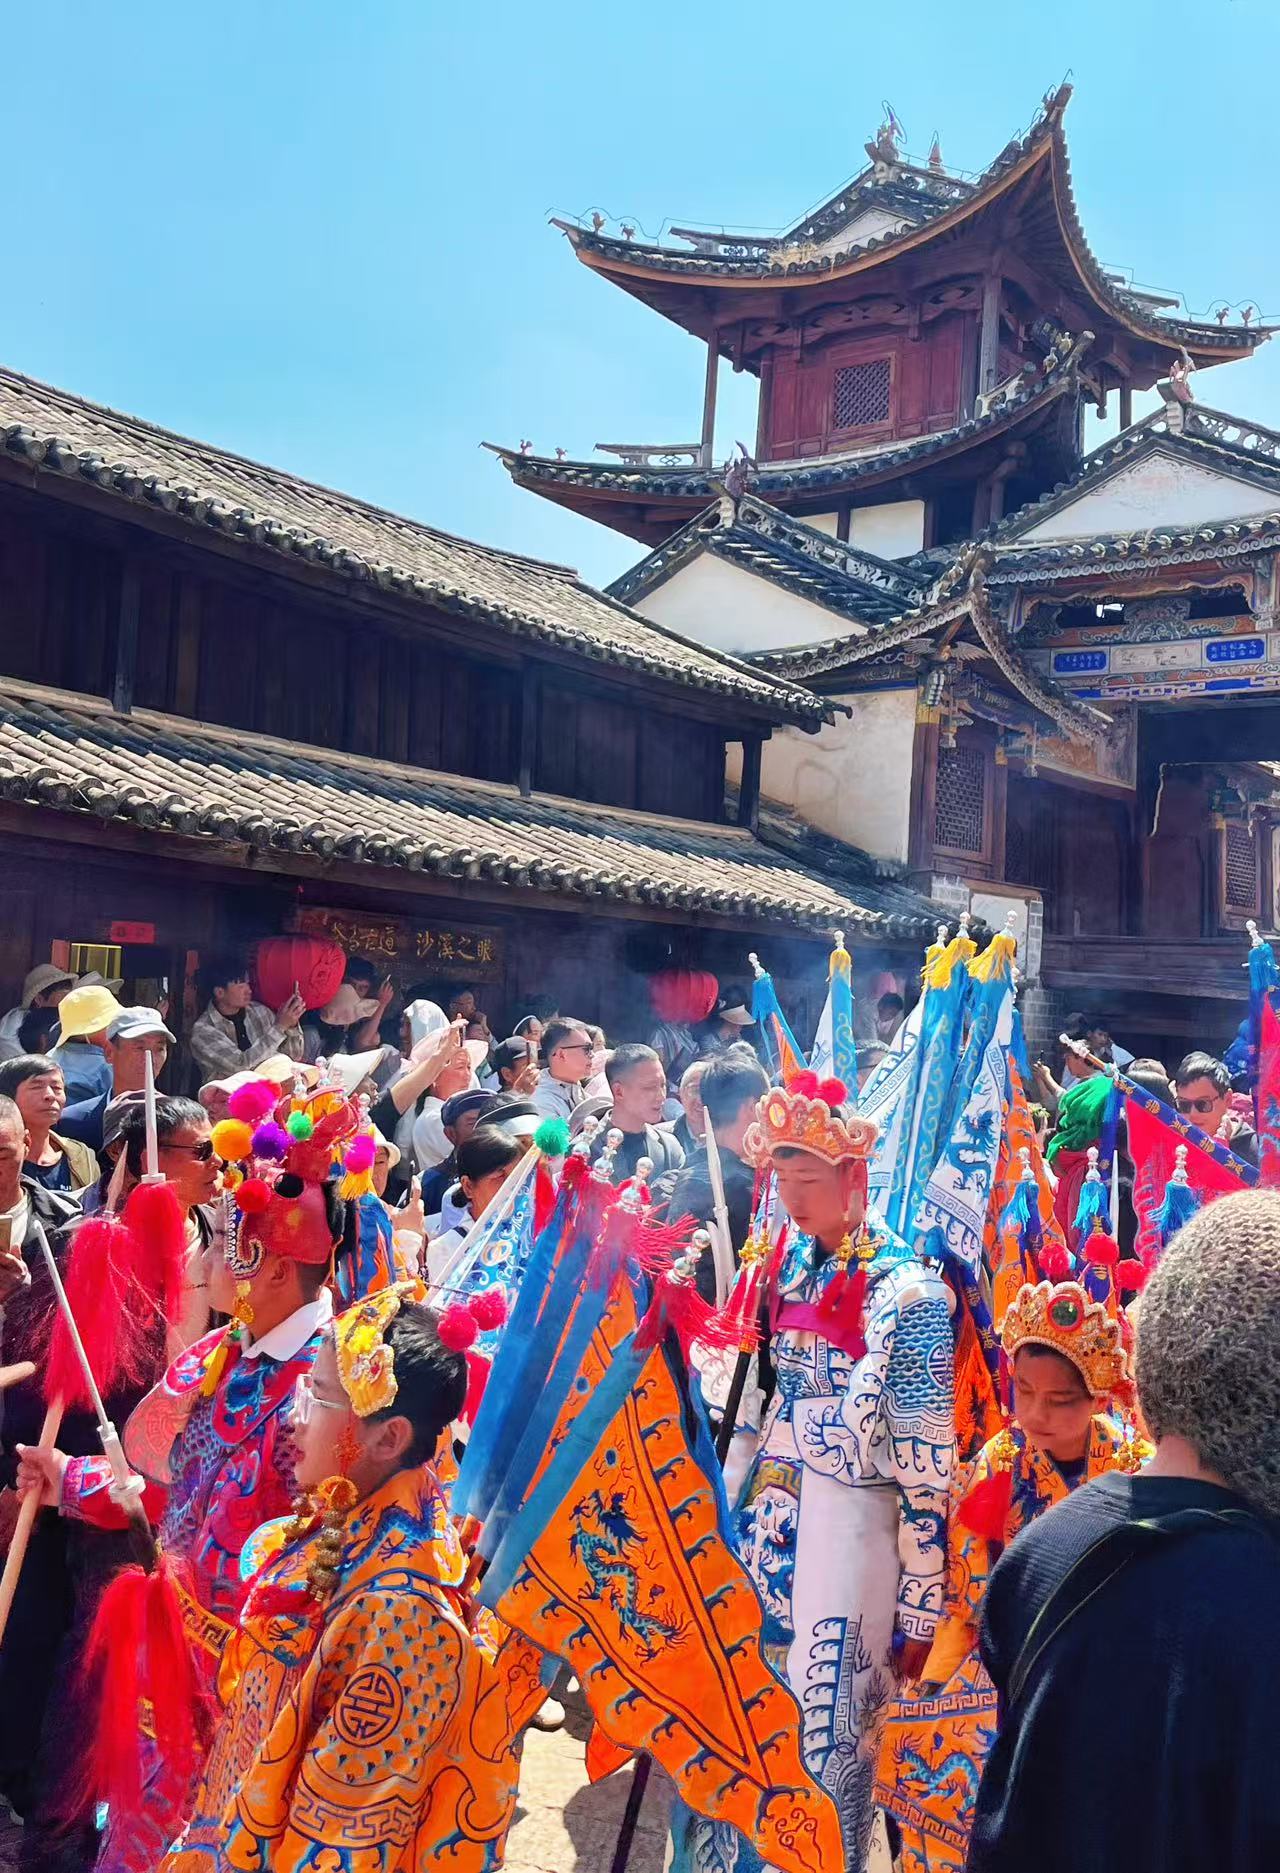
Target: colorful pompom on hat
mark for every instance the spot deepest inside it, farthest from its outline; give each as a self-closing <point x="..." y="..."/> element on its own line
<point x="280" y="1152"/>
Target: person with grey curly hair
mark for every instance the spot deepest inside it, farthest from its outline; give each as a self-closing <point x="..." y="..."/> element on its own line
<point x="1134" y="1627"/>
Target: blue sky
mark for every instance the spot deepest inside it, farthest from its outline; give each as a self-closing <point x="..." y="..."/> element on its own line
<point x="317" y="233"/>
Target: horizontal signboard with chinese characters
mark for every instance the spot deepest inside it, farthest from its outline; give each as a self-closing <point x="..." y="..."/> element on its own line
<point x="410" y="947"/>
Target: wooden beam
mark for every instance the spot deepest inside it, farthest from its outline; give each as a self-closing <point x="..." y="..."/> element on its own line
<point x="749" y="786"/>
<point x="126" y="638"/>
<point x="1126" y="406"/>
<point x="709" y="403"/>
<point x="530" y="703"/>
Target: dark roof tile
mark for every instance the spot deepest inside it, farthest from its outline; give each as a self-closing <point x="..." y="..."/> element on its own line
<point x="74" y="753"/>
<point x="212" y="488"/>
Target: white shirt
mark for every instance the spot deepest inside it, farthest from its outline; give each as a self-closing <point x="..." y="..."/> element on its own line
<point x="430" y="1146"/>
<point x="17" y="1221"/>
<point x="288" y="1337"/>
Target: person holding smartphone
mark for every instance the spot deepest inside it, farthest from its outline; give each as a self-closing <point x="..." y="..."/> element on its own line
<point x="235" y="1031"/>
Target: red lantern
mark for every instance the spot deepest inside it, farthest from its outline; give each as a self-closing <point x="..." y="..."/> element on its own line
<point x="683" y="996"/>
<point x="316" y="964"/>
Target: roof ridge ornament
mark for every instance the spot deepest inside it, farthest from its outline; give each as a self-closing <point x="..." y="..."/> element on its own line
<point x="884" y="151"/>
<point x="1177" y="392"/>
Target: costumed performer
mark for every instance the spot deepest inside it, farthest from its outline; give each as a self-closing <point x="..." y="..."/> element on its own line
<point x="366" y="1725"/>
<point x="841" y="1519"/>
<point x="1071" y="1386"/>
<point x="213" y="1440"/>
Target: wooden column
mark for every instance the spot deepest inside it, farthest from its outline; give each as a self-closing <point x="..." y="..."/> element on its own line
<point x="924" y="787"/>
<point x="126" y="639"/>
<point x="1126" y="406"/>
<point x="762" y="407"/>
<point x="989" y="338"/>
<point x="749" y="785"/>
<point x="530" y="701"/>
<point x="709" y="402"/>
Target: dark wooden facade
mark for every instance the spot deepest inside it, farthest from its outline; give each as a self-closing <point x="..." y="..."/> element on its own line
<point x="103" y="607"/>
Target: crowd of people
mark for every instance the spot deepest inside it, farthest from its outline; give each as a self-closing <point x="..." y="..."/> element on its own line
<point x="1083" y="1596"/>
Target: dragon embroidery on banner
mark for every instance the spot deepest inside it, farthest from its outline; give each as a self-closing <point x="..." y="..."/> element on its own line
<point x="604" y="1536"/>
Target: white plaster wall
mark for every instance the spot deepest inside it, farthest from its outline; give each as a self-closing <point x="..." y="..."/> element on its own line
<point x="721" y="605"/>
<point x="893" y="531"/>
<point x="825" y="523"/>
<point x="853" y="778"/>
<point x="1160" y="491"/>
<point x="862" y="228"/>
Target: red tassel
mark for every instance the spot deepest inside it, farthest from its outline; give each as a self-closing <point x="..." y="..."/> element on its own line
<point x="805" y="1082"/>
<point x="985" y="1510"/>
<point x="159" y="1228"/>
<point x="832" y="1092"/>
<point x="138" y="1649"/>
<point x="739" y="1319"/>
<point x="840" y="1311"/>
<point x="1131" y="1276"/>
<point x="677" y="1307"/>
<point x="124" y="1281"/>
<point x="544" y="1197"/>
<point x="478" y="1370"/>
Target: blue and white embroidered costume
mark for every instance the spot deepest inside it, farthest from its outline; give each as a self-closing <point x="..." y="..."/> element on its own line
<point x="842" y="1520"/>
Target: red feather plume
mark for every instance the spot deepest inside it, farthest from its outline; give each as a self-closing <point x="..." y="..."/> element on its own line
<point x="138" y="1649"/>
<point x="124" y="1287"/>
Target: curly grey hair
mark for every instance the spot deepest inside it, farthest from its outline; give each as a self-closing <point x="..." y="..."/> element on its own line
<point x="1208" y="1357"/>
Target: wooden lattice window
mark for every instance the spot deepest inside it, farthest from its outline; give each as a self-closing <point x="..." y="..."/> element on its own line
<point x="862" y="393"/>
<point x="960" y="803"/>
<point x="1240" y="869"/>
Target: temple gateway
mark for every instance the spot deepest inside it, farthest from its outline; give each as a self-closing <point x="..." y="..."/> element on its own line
<point x="1055" y="672"/>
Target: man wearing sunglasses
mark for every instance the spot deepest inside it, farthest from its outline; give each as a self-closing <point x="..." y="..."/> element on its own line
<point x="1202" y="1093"/>
<point x="566" y="1051"/>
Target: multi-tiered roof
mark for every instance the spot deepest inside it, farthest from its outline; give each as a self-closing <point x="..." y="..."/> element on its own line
<point x="993" y="273"/>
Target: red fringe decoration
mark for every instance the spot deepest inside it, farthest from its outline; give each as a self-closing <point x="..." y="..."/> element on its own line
<point x="544" y="1197"/>
<point x="677" y="1307"/>
<point x="840" y="1311"/>
<point x="138" y="1649"/>
<point x="985" y="1509"/>
<point x="739" y="1318"/>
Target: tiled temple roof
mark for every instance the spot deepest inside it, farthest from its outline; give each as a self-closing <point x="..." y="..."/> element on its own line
<point x="826" y="475"/>
<point x="55" y="432"/>
<point x="790" y="260"/>
<point x="1208" y="438"/>
<point x="230" y="789"/>
<point x="788" y="553"/>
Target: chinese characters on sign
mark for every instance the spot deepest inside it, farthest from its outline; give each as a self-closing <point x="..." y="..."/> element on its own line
<point x="460" y="950"/>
